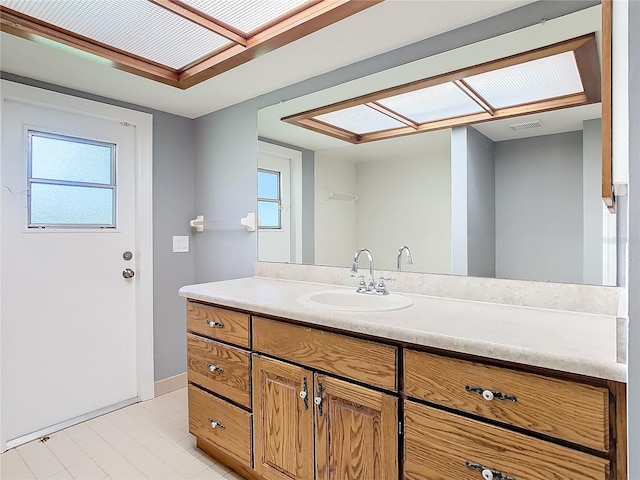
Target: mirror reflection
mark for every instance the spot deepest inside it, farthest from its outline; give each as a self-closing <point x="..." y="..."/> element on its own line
<point x="515" y="198"/>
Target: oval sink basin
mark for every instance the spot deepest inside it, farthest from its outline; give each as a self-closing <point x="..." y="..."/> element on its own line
<point x="349" y="300"/>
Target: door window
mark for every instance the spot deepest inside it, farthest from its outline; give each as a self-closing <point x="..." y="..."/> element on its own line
<point x="71" y="182"/>
<point x="269" y="199"/>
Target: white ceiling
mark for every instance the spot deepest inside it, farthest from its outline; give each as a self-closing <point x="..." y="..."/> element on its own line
<point x="381" y="28"/>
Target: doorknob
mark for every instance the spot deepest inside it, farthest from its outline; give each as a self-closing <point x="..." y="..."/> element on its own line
<point x="128" y="273"/>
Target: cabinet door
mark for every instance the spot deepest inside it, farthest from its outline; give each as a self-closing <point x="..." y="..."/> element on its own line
<point x="283" y="420"/>
<point x="356" y="432"/>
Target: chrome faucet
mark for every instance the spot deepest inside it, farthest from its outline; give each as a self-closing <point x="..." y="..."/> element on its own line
<point x="363" y="287"/>
<point x="399" y="259"/>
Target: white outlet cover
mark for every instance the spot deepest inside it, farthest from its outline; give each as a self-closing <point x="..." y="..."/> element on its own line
<point x="180" y="244"/>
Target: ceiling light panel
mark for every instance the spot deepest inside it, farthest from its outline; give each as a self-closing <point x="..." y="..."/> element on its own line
<point x="548" y="77"/>
<point x="432" y="103"/>
<point x="360" y="119"/>
<point x="245" y="15"/>
<point x="136" y="26"/>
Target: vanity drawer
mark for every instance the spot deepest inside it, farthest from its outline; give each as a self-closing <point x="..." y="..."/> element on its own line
<point x="220" y="368"/>
<point x="219" y="323"/>
<point x="232" y="433"/>
<point x="437" y="445"/>
<point x="563" y="409"/>
<point x="362" y="360"/>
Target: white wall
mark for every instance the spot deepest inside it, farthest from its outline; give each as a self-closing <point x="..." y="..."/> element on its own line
<point x="335" y="220"/>
<point x="405" y="201"/>
<point x="539" y="211"/>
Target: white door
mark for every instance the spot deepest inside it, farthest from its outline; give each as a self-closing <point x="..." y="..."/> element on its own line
<point x="279" y="204"/>
<point x="68" y="314"/>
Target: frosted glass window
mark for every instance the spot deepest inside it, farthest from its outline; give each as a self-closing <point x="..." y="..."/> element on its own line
<point x="360" y="119"/>
<point x="71" y="182"/>
<point x="432" y="103"/>
<point x="245" y="15"/>
<point x="528" y="82"/>
<point x="58" y="158"/>
<point x="269" y="201"/>
<point x="268" y="184"/>
<point x="71" y="205"/>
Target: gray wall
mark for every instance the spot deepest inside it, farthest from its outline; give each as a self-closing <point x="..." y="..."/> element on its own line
<point x="592" y="202"/>
<point x="481" y="205"/>
<point x="634" y="243"/>
<point x="227" y="139"/>
<point x="539" y="208"/>
<point x="308" y="196"/>
<point x="173" y="207"/>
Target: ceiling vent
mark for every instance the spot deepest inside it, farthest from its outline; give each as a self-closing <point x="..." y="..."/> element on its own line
<point x="526" y="126"/>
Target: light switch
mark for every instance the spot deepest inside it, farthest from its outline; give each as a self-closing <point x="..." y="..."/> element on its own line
<point x="180" y="244"/>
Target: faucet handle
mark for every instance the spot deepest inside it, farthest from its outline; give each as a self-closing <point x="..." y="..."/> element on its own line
<point x="362" y="285"/>
<point x="381" y="288"/>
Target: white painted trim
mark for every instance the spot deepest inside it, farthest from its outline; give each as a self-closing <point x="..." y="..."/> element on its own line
<point x="620" y="79"/>
<point x="296" y="190"/>
<point x="143" y="122"/>
<point x="170" y="384"/>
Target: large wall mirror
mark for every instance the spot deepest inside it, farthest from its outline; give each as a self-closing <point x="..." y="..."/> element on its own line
<point x="516" y="198"/>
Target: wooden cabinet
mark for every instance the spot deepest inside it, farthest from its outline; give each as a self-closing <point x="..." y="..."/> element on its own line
<point x="441" y="446"/>
<point x="356" y="431"/>
<point x="277" y="400"/>
<point x="353" y="430"/>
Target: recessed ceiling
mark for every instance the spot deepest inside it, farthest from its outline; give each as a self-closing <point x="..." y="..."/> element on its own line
<point x="177" y="42"/>
<point x="312" y="55"/>
<point x="556" y="76"/>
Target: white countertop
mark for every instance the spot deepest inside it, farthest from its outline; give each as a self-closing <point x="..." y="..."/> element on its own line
<point x="572" y="342"/>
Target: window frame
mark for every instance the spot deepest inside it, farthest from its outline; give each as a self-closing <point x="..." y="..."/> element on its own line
<point x="277" y="200"/>
<point x="71" y="183"/>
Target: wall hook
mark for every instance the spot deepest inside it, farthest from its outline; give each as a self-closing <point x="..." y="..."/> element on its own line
<point x="197" y="223"/>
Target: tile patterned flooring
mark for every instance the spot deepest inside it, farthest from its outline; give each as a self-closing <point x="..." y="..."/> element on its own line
<point x="148" y="440"/>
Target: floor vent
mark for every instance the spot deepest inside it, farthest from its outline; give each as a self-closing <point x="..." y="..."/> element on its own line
<point x="525" y="126"/>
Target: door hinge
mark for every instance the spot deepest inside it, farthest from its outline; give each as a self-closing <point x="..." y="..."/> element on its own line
<point x="400" y="432"/>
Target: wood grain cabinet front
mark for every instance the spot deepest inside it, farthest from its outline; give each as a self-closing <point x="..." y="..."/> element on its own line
<point x="563" y="409"/>
<point x="442" y="446"/>
<point x="218" y="323"/>
<point x="221" y="368"/>
<point x="308" y="425"/>
<point x="221" y="424"/>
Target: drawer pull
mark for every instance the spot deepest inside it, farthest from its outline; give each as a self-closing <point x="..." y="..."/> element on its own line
<point x="487" y="473"/>
<point x="489" y="395"/>
<point x="215" y="424"/>
<point x="215" y="368"/>
<point x="213" y="324"/>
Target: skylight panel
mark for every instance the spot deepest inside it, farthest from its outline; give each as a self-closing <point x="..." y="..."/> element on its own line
<point x="532" y="81"/>
<point x="135" y="26"/>
<point x="245" y="15"/>
<point x="359" y="119"/>
<point x="432" y="103"/>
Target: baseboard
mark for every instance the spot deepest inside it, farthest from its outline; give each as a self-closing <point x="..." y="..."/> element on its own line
<point x="170" y="384"/>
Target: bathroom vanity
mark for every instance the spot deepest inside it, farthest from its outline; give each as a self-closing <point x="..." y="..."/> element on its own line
<point x="280" y="388"/>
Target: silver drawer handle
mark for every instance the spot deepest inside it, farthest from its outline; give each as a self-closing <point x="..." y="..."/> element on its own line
<point x="489" y="395"/>
<point x="215" y="424"/>
<point x="487" y="473"/>
<point x="213" y="324"/>
<point x="215" y="368"/>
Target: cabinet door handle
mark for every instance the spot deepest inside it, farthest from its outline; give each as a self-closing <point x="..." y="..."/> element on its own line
<point x="214" y="324"/>
<point x="318" y="400"/>
<point x="215" y="368"/>
<point x="489" y="395"/>
<point x="304" y="394"/>
<point x="215" y="424"/>
<point x="487" y="473"/>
